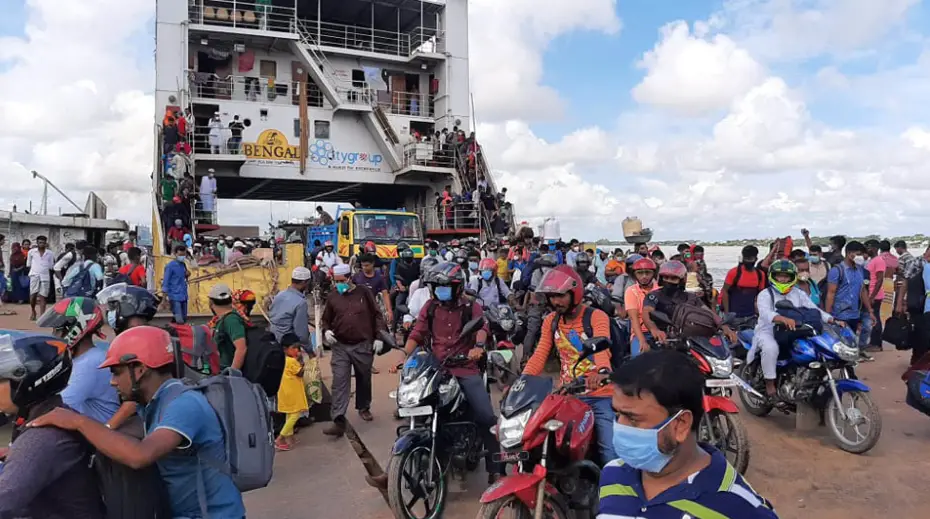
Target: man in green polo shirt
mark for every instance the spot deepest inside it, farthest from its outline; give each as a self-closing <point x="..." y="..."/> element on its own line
<point x="229" y="331"/>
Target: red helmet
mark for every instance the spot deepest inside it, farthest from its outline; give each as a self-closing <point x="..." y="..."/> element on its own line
<point x="73" y="319"/>
<point x="674" y="269"/>
<point x="487" y="264"/>
<point x="147" y="345"/>
<point x="562" y="280"/>
<point x="644" y="264"/>
<point x="371" y="247"/>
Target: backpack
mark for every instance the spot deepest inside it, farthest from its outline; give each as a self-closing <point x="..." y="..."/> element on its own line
<point x="918" y="391"/>
<point x="264" y="359"/>
<point x="70" y="262"/>
<point x="916" y="294"/>
<point x="823" y="285"/>
<point x="129" y="493"/>
<point x="695" y="320"/>
<point x="198" y="351"/>
<point x="897" y="331"/>
<point x="245" y="419"/>
<point x="82" y="284"/>
<point x="619" y="344"/>
<point x="739" y="274"/>
<point x="126" y="277"/>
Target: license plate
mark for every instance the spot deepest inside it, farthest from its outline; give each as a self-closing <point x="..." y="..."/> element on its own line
<point x="510" y="457"/>
<point x="406" y="412"/>
<point x="720" y="382"/>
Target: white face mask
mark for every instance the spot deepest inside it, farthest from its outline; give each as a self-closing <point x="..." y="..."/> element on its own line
<point x="859" y="260"/>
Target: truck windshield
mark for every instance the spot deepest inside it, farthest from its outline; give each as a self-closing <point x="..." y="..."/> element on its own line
<point x="388" y="227"/>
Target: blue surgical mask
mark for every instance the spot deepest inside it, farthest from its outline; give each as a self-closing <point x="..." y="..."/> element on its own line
<point x="639" y="448"/>
<point x="111" y="318"/>
<point x="342" y="288"/>
<point x="473" y="265"/>
<point x="486" y="275"/>
<point x="814" y="259"/>
<point x="443" y="293"/>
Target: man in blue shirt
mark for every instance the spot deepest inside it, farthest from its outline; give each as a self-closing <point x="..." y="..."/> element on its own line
<point x="847" y="288"/>
<point x="141" y="363"/>
<point x="662" y="471"/>
<point x="174" y="284"/>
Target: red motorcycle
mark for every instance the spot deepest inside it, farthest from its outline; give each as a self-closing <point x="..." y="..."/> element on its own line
<point x="549" y="436"/>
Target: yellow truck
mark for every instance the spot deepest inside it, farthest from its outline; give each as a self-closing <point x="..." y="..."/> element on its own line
<point x="356" y="227"/>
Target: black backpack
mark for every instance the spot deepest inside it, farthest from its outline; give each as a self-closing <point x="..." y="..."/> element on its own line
<point x="128" y="493"/>
<point x="500" y="291"/>
<point x="692" y="320"/>
<point x="619" y="343"/>
<point x="916" y="294"/>
<point x="264" y="357"/>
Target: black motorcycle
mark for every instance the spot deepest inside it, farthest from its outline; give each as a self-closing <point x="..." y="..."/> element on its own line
<point x="440" y="440"/>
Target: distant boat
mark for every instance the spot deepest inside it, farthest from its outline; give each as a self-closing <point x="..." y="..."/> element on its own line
<point x="633" y="231"/>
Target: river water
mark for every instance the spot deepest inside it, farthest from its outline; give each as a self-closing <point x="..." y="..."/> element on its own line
<point x="719" y="259"/>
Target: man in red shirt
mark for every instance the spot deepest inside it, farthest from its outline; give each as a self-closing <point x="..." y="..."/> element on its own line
<point x="743" y="284"/>
<point x="134" y="270"/>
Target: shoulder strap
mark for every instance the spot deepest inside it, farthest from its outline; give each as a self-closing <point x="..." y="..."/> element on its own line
<point x="586" y="321"/>
<point x="739" y="274"/>
<point x="500" y="291"/>
<point x="430" y="313"/>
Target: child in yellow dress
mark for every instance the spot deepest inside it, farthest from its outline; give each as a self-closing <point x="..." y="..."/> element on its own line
<point x="292" y="396"/>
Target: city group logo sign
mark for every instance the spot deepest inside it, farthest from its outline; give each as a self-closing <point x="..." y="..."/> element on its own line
<point x="323" y="152"/>
<point x="271" y="145"/>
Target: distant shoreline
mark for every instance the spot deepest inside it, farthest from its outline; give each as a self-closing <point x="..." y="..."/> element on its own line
<point x="917" y="239"/>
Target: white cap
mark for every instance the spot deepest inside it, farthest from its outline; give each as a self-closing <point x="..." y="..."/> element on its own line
<point x="220" y="291"/>
<point x="341" y="270"/>
<point x="238" y="244"/>
<point x="300" y="274"/>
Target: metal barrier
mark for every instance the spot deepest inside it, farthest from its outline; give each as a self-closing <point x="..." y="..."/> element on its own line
<point x="410" y="103"/>
<point x="243" y="14"/>
<point x="211" y="140"/>
<point x="356" y="95"/>
<point x="417" y="41"/>
<point x="425" y="154"/>
<point x="462" y="216"/>
<point x="262" y="89"/>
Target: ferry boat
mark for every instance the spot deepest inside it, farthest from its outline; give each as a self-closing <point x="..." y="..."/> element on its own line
<point x="316" y="100"/>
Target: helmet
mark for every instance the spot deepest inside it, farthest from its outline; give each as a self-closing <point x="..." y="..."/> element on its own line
<point x="425" y="265"/>
<point x="328" y="243"/>
<point x="447" y="273"/>
<point x="402" y="246"/>
<point x="405" y="253"/>
<point x="73" y="319"/>
<point x="122" y="301"/>
<point x="37" y="366"/>
<point x="562" y="280"/>
<point x="454" y="243"/>
<point x="631" y="260"/>
<point x="461" y="256"/>
<point x="147" y="345"/>
<point x="370" y="247"/>
<point x="599" y="298"/>
<point x="783" y="266"/>
<point x="487" y="264"/>
<point x="675" y="269"/>
<point x="547" y="260"/>
<point x="245" y="299"/>
<point x="644" y="264"/>
<point x="583" y="259"/>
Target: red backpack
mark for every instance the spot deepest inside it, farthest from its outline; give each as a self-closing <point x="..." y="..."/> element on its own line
<point x="199" y="353"/>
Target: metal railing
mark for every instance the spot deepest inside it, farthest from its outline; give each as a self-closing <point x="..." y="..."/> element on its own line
<point x="244" y="14"/>
<point x="425" y="154"/>
<point x="308" y="38"/>
<point x="204" y="85"/>
<point x="204" y="217"/>
<point x="417" y="41"/>
<point x="451" y="216"/>
<point x="216" y="141"/>
<point x="356" y="95"/>
<point x="413" y="104"/>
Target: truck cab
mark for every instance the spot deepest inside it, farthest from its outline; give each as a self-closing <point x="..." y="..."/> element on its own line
<point x="356" y="227"/>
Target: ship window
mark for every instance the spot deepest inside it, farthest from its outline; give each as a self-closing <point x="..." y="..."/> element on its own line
<point x="321" y="129"/>
<point x="297" y="128"/>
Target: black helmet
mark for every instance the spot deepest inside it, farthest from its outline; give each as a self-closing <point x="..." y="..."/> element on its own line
<point x="426" y="264"/>
<point x="582" y="259"/>
<point x="461" y="256"/>
<point x="547" y="260"/>
<point x="122" y="301"/>
<point x="630" y="260"/>
<point x="37" y="366"/>
<point x="402" y="246"/>
<point x="406" y="254"/>
<point x="447" y="273"/>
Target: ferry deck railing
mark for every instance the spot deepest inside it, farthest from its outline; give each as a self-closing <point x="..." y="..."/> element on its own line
<point x="244" y="14"/>
<point x="263" y="89"/>
<point x="425" y="154"/>
<point x="366" y="39"/>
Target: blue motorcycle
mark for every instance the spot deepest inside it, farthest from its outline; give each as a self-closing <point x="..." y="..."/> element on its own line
<point x="817" y="369"/>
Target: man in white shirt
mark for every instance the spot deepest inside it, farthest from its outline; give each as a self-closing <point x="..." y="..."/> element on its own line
<point x="41" y="262"/>
<point x="208" y="191"/>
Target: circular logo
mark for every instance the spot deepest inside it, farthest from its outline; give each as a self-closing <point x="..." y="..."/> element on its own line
<point x="321" y="152"/>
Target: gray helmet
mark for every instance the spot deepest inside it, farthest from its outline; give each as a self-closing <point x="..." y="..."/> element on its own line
<point x="547" y="260"/>
<point x="428" y="263"/>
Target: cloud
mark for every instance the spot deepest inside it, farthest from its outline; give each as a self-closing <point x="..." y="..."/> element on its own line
<point x="690" y="75"/>
<point x="507" y="40"/>
<point x="525" y="150"/>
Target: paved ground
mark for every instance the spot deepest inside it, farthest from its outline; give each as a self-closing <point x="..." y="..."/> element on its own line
<point x="803" y="474"/>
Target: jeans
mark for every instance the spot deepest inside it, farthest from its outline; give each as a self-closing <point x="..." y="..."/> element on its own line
<point x="479" y="401"/>
<point x="876" y="338"/>
<point x="179" y="310"/>
<point x="865" y="330"/>
<point x="604" y="418"/>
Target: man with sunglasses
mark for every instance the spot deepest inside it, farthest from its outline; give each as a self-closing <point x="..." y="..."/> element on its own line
<point x="662" y="471"/>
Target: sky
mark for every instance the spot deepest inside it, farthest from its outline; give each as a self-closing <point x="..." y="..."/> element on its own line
<point x="707" y="119"/>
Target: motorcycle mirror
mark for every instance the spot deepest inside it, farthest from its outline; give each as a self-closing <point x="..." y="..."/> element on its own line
<point x="388" y="339"/>
<point x="728" y="318"/>
<point x="595" y="345"/>
<point x="403" y="309"/>
<point x="471" y="327"/>
<point x="661" y="317"/>
<point x="471" y="293"/>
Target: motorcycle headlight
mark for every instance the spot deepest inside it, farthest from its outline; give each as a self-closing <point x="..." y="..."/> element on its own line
<point x="448" y="391"/>
<point x="510" y="430"/>
<point x="507" y="325"/>
<point x="410" y="394"/>
<point x="844" y="352"/>
<point x="721" y="368"/>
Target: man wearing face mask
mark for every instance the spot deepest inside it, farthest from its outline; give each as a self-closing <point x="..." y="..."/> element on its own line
<point x="351" y="321"/>
<point x="328" y="258"/>
<point x="127" y="306"/>
<point x="474" y="261"/>
<point x="819" y="267"/>
<point x="847" y="288"/>
<point x="490" y="288"/>
<point x="404" y="270"/>
<point x="743" y="284"/>
<point x="805" y="282"/>
<point x="583" y="268"/>
<point x="174" y="284"/>
<point x="662" y="471"/>
<point x="644" y="271"/>
<point x="670" y="294"/>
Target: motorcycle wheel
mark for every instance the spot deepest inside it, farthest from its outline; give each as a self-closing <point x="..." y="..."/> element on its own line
<point x="732" y="438"/>
<point x="410" y="468"/>
<point x="752" y="374"/>
<point x="498" y="509"/>
<point x="869" y="415"/>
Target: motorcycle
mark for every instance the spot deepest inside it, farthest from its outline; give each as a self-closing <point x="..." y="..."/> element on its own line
<point x="550" y="437"/>
<point x="805" y="374"/>
<point x="505" y="329"/>
<point x="440" y="439"/>
<point x="721" y="425"/>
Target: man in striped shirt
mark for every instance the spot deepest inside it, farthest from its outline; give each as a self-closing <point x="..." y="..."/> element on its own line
<point x="662" y="471"/>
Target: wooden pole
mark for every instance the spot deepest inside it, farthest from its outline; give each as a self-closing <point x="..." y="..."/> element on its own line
<point x="304" y="124"/>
